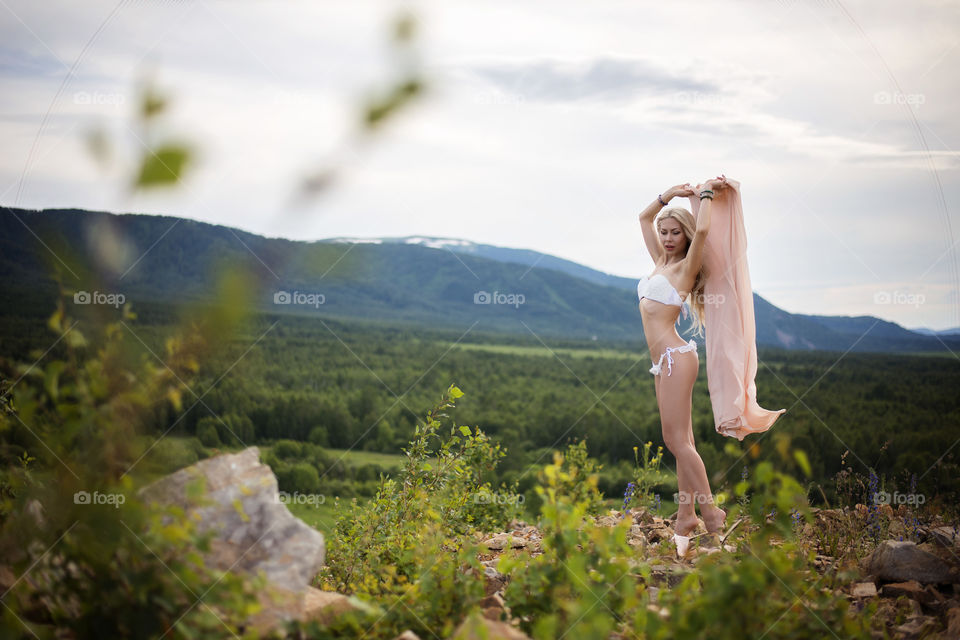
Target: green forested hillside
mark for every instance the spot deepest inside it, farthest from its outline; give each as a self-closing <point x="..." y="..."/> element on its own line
<point x="363" y="386"/>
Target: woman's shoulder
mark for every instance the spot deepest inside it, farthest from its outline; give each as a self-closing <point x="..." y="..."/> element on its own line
<point x="680" y="272"/>
<point x="678" y="268"/>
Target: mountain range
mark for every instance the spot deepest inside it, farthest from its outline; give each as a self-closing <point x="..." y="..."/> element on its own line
<point x="415" y="281"/>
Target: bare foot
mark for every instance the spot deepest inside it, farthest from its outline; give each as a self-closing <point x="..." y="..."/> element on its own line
<point x="713" y="519"/>
<point x="685" y="526"/>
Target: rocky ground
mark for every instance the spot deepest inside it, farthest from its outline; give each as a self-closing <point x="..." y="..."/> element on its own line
<point x="918" y="585"/>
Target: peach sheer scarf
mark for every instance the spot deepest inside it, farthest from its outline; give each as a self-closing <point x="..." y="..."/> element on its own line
<point x="730" y="325"/>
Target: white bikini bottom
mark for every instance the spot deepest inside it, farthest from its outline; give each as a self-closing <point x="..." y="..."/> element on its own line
<point x="690" y="346"/>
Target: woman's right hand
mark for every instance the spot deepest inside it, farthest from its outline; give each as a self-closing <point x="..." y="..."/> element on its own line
<point x="680" y="190"/>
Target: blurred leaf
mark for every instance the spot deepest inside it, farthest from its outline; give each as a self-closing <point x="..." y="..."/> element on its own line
<point x="75" y="338"/>
<point x="55" y="322"/>
<point x="51" y="379"/>
<point x="378" y="110"/>
<point x="174" y="396"/>
<point x="163" y="166"/>
<point x="404" y="28"/>
<point x="801" y="458"/>
<point x="152" y="104"/>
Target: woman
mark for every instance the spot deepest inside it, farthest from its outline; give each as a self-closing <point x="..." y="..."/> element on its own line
<point x="676" y="242"/>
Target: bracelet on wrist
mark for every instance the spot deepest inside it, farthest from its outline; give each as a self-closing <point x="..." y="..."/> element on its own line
<point x="661" y="200"/>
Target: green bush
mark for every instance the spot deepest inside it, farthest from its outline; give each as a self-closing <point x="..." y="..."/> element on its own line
<point x="366" y="472"/>
<point x="287" y="449"/>
<point x="318" y="436"/>
<point x="101" y="563"/>
<point x="580" y="479"/>
<point x="299" y="477"/>
<point x="435" y="489"/>
<point x="207" y="432"/>
<point x="582" y="585"/>
<point x="449" y="584"/>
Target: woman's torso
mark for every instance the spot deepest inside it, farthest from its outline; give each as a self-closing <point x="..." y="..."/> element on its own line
<point x="659" y="320"/>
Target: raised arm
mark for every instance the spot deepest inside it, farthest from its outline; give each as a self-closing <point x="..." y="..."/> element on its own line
<point x="694" y="258"/>
<point x="647" y="216"/>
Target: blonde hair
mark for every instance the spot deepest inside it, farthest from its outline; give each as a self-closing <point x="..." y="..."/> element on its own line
<point x="689" y="226"/>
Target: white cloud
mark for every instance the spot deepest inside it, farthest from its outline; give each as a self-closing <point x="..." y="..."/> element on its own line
<point x="544" y="127"/>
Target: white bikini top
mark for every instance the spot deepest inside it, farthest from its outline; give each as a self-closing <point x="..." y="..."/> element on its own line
<point x="659" y="288"/>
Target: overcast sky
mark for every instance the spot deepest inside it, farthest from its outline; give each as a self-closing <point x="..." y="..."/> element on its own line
<point x="546" y="126"/>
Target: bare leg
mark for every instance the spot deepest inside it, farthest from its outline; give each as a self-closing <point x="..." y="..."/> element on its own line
<point x="674" y="398"/>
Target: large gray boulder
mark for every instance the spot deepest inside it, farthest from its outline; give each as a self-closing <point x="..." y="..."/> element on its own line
<point x="254" y="530"/>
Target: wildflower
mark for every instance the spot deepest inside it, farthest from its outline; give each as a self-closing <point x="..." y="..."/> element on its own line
<point x="795" y="516"/>
<point x="628" y="494"/>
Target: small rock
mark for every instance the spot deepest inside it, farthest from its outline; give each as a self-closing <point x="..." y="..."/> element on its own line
<point x="910" y="588"/>
<point x="953" y="622"/>
<point x="902" y="561"/>
<point x="897" y="529"/>
<point x="663" y="612"/>
<point x="642" y="516"/>
<point x="669" y="575"/>
<point x="863" y="590"/>
<point x="502" y="541"/>
<point x="407" y="635"/>
<point x="325" y="606"/>
<point x="493" y="580"/>
<point x="493" y="613"/>
<point x="636" y="537"/>
<point x="34" y="509"/>
<point x="7" y="579"/>
<point x="658" y="534"/>
<point x="608" y="521"/>
<point x="945" y="536"/>
<point x="917" y="626"/>
<point x="493" y="600"/>
<point x="477" y="627"/>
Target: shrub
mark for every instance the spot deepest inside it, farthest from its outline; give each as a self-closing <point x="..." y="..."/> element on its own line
<point x="207" y="432"/>
<point x="107" y="568"/>
<point x="582" y="585"/>
<point x="318" y="436"/>
<point x="385" y="536"/>
<point x="579" y="478"/>
<point x="287" y="449"/>
<point x="298" y="477"/>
